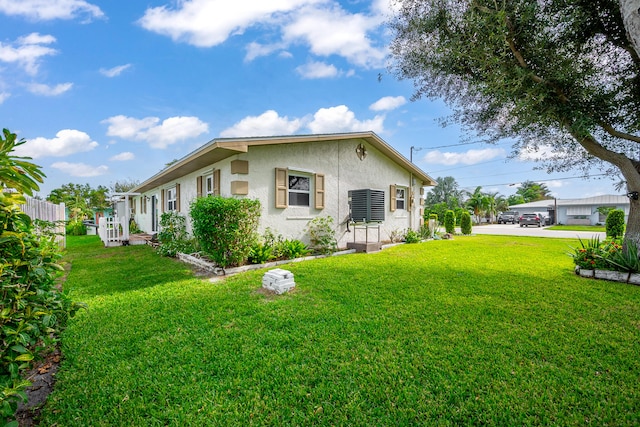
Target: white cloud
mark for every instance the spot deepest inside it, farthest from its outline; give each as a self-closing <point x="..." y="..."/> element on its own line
<point x="115" y="71"/>
<point x="325" y="120"/>
<point x="388" y="103"/>
<point x="470" y="157"/>
<point x="322" y="25"/>
<point x="317" y="70"/>
<point x="80" y="169"/>
<point x="43" y="10"/>
<point x="334" y="31"/>
<point x="122" y="157"/>
<point x="4" y="96"/>
<point x="267" y="124"/>
<point x="46" y="90"/>
<point x="341" y="119"/>
<point x="157" y="134"/>
<point x="66" y="142"/>
<point x="27" y="51"/>
<point x="207" y="23"/>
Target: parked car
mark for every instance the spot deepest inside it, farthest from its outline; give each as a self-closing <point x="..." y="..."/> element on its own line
<point x="509" y="216"/>
<point x="531" y="219"/>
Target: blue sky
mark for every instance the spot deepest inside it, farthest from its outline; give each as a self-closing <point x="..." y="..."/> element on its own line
<point x="108" y="91"/>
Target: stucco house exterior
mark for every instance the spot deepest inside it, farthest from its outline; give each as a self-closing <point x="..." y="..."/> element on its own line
<point x="296" y="178"/>
<point x="575" y="211"/>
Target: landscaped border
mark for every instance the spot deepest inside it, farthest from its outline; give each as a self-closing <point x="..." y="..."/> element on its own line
<point x="218" y="271"/>
<point x="614" y="276"/>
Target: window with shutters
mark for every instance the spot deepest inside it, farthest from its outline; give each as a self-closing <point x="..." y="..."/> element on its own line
<point x="401" y="193"/>
<point x="171" y="199"/>
<point x="299" y="187"/>
<point x="208" y="186"/>
<point x="296" y="188"/>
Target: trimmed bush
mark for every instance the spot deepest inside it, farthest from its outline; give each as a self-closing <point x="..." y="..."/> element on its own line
<point x="615" y="223"/>
<point x="465" y="223"/>
<point x="411" y="236"/>
<point x="450" y="222"/>
<point x="322" y="235"/>
<point x="225" y="228"/>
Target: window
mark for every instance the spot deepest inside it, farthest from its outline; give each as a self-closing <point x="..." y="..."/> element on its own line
<point x="208" y="185"/>
<point x="294" y="189"/>
<point x="400" y="198"/>
<point x="299" y="190"/>
<point x="171" y="199"/>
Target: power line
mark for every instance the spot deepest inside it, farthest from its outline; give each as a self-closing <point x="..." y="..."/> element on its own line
<point x="544" y="180"/>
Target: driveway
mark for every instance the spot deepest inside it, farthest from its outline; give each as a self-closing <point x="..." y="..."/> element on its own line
<point x="516" y="230"/>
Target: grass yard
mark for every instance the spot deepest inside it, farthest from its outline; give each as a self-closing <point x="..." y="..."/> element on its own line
<point x="482" y="330"/>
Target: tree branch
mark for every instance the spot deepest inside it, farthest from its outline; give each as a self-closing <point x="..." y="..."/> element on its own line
<point x="623" y="135"/>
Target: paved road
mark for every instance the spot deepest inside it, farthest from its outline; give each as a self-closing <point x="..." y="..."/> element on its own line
<point x="516" y="230"/>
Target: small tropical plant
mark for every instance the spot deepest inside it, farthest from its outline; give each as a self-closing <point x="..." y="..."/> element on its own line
<point x="625" y="258"/>
<point x="322" y="234"/>
<point x="260" y="253"/>
<point x="292" y="249"/>
<point x="411" y="236"/>
<point x="395" y="236"/>
<point x="173" y="235"/>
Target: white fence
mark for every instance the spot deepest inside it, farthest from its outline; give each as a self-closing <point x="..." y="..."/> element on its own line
<point x="109" y="230"/>
<point x="47" y="211"/>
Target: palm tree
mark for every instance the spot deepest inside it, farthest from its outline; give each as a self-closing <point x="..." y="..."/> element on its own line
<point x="16" y="172"/>
<point x="478" y="202"/>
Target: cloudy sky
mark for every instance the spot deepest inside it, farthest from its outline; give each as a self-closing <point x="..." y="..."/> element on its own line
<point x="108" y="91"/>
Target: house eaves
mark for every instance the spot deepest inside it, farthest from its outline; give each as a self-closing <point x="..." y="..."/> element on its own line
<point x="222" y="148"/>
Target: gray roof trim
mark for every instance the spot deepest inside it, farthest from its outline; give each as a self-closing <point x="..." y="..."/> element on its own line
<point x="221" y="148"/>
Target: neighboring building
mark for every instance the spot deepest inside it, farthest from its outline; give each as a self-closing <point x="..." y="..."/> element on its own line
<point x="296" y="178"/>
<point x="575" y="211"/>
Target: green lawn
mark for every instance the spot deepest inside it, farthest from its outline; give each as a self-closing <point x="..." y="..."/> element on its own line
<point x="594" y="228"/>
<point x="482" y="330"/>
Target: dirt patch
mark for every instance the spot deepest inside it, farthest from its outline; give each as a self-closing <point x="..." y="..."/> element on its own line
<point x="42" y="378"/>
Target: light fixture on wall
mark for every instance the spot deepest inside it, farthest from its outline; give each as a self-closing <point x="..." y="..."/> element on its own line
<point x="361" y="151"/>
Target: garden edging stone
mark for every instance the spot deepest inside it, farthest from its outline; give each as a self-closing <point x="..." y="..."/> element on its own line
<point x="613" y="276"/>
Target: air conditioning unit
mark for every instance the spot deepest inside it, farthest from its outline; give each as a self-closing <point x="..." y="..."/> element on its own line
<point x="366" y="205"/>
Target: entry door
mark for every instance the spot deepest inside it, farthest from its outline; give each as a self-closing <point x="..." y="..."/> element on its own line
<point x="154" y="214"/>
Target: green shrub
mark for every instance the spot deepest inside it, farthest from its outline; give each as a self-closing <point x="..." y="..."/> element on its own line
<point x="173" y="236"/>
<point x="275" y="247"/>
<point x="322" y="235"/>
<point x="411" y="236"/>
<point x="260" y="253"/>
<point x="465" y="223"/>
<point x="225" y="228"/>
<point x="615" y="223"/>
<point x="33" y="310"/>
<point x="76" y="228"/>
<point x="449" y="222"/>
<point x="292" y="249"/>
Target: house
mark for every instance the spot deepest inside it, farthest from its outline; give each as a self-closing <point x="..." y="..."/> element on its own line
<point x="367" y="187"/>
<point x="575" y="211"/>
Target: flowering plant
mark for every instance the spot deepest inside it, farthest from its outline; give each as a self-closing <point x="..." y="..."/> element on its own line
<point x="594" y="254"/>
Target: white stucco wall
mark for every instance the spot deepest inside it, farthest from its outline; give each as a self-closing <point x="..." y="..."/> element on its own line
<point x="343" y="171"/>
